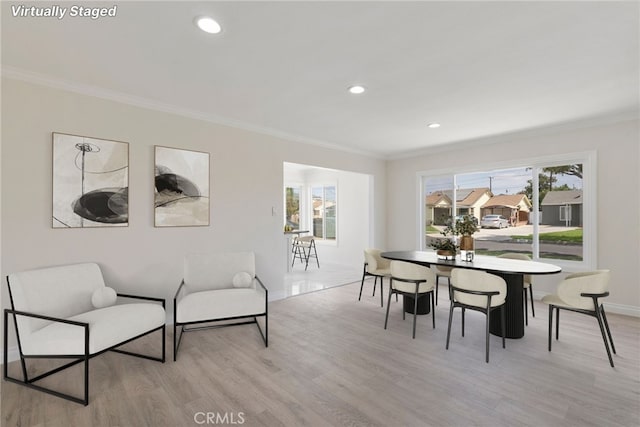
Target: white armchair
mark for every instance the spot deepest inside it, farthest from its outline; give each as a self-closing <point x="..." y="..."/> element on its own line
<point x="68" y="312"/>
<point x="217" y="287"/>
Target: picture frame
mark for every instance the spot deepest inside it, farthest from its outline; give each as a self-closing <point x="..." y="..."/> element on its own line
<point x="181" y="184"/>
<point x="90" y="182"/>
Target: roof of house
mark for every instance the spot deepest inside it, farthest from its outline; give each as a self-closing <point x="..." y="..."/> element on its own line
<point x="565" y="197"/>
<point x="464" y="196"/>
<point x="435" y="198"/>
<point x="508" y="200"/>
<point x="469" y="196"/>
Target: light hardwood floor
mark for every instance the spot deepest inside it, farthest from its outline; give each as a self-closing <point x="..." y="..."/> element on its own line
<point x="331" y="363"/>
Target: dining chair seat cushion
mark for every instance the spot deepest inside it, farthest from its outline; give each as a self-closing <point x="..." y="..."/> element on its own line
<point x="475" y="280"/>
<point x="107" y="327"/>
<point x="411" y="287"/>
<point x="220" y="304"/>
<point x="386" y="272"/>
<point x="554" y="300"/>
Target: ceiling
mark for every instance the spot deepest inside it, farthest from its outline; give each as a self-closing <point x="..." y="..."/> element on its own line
<point x="480" y="69"/>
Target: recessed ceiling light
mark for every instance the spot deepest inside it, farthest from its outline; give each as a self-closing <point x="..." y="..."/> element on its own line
<point x="208" y="25"/>
<point x="356" y="90"/>
<point x="433" y="125"/>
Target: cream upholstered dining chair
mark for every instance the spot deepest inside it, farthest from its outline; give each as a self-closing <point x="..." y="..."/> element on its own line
<point x="580" y="292"/>
<point x="526" y="284"/>
<point x="376" y="266"/>
<point x="414" y="281"/>
<point x="442" y="271"/>
<point x="479" y="291"/>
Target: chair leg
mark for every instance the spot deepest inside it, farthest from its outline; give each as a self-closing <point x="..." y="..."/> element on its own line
<point x="449" y="328"/>
<point x="462" y="321"/>
<point x="486" y="344"/>
<point x="437" y="280"/>
<point x="550" y="325"/>
<point x="604" y="337"/>
<point x="533" y="309"/>
<point x="606" y="325"/>
<point x="364" y="274"/>
<point x="415" y="310"/>
<point x="375" y="282"/>
<point x="386" y="318"/>
<point x="526" y="310"/>
<point x="433" y="310"/>
<point x="503" y="320"/>
<point x="381" y="291"/>
<point x="557" y="322"/>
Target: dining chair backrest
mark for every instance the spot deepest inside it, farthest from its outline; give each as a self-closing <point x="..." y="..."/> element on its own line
<point x="476" y="280"/>
<point x="374" y="260"/>
<point x="592" y="282"/>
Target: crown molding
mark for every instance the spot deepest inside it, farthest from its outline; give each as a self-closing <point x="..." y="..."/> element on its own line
<point x="124" y="98"/>
<point x="584" y="123"/>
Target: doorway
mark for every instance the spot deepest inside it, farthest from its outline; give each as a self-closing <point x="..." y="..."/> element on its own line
<point x="335" y="207"/>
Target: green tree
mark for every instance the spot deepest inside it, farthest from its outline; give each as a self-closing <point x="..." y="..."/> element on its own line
<point x="545" y="184"/>
<point x="293" y="202"/>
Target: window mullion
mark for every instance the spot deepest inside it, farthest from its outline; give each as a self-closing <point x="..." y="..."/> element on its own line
<point x="535" y="180"/>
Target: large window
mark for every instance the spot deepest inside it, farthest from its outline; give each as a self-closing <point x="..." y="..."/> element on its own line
<point x="544" y="208"/>
<point x="324" y="204"/>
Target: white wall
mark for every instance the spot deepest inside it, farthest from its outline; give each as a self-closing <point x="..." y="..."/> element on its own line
<point x="618" y="194"/>
<point x="246" y="182"/>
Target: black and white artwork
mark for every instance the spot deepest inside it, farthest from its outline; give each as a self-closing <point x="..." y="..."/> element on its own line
<point x="90" y="182"/>
<point x="181" y="187"/>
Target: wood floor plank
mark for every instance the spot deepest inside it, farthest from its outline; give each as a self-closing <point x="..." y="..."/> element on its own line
<point x="331" y="363"/>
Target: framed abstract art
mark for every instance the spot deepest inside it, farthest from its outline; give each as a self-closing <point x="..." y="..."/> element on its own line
<point x="181" y="195"/>
<point x="90" y="182"/>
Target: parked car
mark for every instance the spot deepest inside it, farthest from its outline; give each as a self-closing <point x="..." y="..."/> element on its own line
<point x="494" y="221"/>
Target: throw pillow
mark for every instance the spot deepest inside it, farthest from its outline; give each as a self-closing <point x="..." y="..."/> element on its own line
<point x="103" y="297"/>
<point x="242" y="280"/>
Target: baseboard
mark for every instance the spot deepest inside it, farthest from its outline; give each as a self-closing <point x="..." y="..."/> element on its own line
<point x="627" y="310"/>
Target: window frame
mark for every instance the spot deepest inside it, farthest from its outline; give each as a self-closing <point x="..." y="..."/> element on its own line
<point x="588" y="159"/>
<point x="324" y="186"/>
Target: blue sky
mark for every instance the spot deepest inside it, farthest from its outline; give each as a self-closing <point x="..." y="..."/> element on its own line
<point x="504" y="181"/>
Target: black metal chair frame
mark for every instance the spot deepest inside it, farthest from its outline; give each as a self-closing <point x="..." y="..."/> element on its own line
<point x="177" y="340"/>
<point x="486" y="310"/>
<point x="526" y="310"/>
<point x="598" y="313"/>
<point x="80" y="358"/>
<point x="365" y="273"/>
<point x="413" y="295"/>
<point x="303" y="254"/>
<point x="438" y="276"/>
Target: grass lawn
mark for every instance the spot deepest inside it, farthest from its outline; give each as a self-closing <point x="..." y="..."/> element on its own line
<point x="550" y="256"/>
<point x="432" y="230"/>
<point x="570" y="236"/>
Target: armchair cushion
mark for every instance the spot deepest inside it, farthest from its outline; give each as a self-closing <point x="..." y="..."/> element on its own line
<point x="220" y="304"/>
<point x="107" y="327"/>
